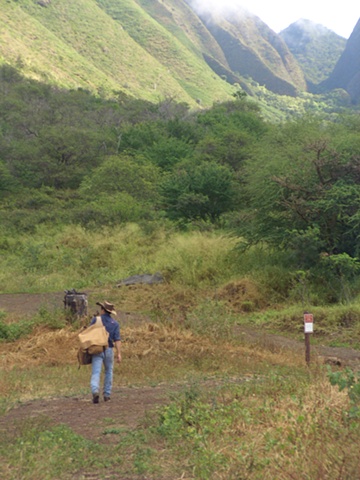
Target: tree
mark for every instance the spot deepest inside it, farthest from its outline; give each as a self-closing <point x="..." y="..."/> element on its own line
<point x="198" y="191"/>
<point x="123" y="174"/>
<point x="231" y="147"/>
<point x="303" y="188"/>
<point x="164" y="143"/>
<point x="230" y="130"/>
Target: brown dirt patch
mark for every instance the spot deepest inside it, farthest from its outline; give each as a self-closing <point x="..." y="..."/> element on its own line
<point x="27" y="304"/>
<point x="127" y="407"/>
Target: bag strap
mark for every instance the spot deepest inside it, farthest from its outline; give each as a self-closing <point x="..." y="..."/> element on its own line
<point x="100" y="323"/>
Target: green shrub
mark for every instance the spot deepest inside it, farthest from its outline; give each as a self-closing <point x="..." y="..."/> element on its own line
<point x="13" y="331"/>
<point x="350" y="381"/>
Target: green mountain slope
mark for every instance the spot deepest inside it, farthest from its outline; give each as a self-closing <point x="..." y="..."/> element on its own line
<point x="179" y="56"/>
<point x="154" y="50"/>
<point x="41" y="54"/>
<point x="180" y="20"/>
<point x="252" y="49"/>
<point x="346" y="74"/>
<point x="82" y="44"/>
<point x="315" y="47"/>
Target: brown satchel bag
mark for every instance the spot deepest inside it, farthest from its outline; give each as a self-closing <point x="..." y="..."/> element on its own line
<point x="93" y="340"/>
<point x="84" y="357"/>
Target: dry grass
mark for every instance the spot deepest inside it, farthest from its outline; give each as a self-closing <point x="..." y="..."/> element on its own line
<point x="151" y="353"/>
<point x="56" y="348"/>
<point x="172" y="301"/>
<point x="242" y="295"/>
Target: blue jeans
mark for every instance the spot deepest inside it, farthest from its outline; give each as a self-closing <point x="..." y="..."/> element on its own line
<point x="106" y="358"/>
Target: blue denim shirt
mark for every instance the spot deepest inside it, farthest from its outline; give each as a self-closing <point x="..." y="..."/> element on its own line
<point x="112" y="326"/>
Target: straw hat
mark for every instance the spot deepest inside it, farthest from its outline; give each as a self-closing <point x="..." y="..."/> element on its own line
<point x="108" y="307"/>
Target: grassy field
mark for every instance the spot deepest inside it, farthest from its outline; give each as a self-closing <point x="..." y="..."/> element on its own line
<point x="230" y="409"/>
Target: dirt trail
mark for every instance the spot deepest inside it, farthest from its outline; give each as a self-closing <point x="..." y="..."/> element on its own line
<point x="339" y="356"/>
<point x="27" y="304"/>
<point x="128" y="405"/>
<point x="125" y="409"/>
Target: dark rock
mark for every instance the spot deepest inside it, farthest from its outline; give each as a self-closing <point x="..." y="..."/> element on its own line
<point x="333" y="361"/>
<point x="146" y="278"/>
<point x="44" y="3"/>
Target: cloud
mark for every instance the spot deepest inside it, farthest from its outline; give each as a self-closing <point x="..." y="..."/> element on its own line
<point x="279" y="14"/>
<point x="224" y="8"/>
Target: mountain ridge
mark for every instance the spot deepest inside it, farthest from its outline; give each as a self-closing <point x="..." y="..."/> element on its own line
<point x="315" y="47"/>
<point x="162" y="49"/>
<point x="346" y="74"/>
<point x="236" y="37"/>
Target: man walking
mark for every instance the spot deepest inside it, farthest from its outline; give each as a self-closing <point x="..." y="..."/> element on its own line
<point x="107" y="356"/>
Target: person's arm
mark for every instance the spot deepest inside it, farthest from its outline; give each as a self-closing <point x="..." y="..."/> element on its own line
<point x="118" y="350"/>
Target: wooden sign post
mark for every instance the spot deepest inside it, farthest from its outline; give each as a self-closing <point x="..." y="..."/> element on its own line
<point x="308" y="329"/>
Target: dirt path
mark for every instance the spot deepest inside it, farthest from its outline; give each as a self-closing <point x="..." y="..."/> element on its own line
<point x="331" y="355"/>
<point x="27" y="304"/>
<point x="128" y="406"/>
<point x="125" y="409"/>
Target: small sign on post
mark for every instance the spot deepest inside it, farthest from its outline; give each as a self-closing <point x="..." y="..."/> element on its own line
<point x="308" y="328"/>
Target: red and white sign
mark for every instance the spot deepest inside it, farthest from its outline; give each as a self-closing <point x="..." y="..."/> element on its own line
<point x="308" y="323"/>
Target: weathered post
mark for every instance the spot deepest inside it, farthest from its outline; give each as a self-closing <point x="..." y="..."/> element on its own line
<point x="76" y="303"/>
<point x="308" y="329"/>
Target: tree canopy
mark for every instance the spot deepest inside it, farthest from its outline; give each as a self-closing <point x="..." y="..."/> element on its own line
<point x="70" y="157"/>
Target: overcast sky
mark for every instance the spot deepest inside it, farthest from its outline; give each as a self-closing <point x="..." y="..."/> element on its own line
<point x="340" y="17"/>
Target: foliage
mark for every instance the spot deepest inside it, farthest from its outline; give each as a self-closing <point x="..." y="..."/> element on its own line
<point x="122" y="174"/>
<point x="162" y="143"/>
<point x="51" y="258"/>
<point x="343" y="269"/>
<point x="306" y="193"/>
<point x="230" y="131"/>
<point x="193" y="191"/>
<point x="110" y="210"/>
<point x="349" y="380"/>
<point x="11" y="331"/>
<point x="69" y="158"/>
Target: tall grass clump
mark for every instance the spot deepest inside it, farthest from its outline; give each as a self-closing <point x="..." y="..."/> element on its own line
<point x="196" y="258"/>
<point x="55" y="258"/>
<point x="277" y="272"/>
<point x="272" y="270"/>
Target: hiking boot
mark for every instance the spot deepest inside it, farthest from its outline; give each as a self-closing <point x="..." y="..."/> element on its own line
<point x="106" y="399"/>
<point x="95" y="398"/>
